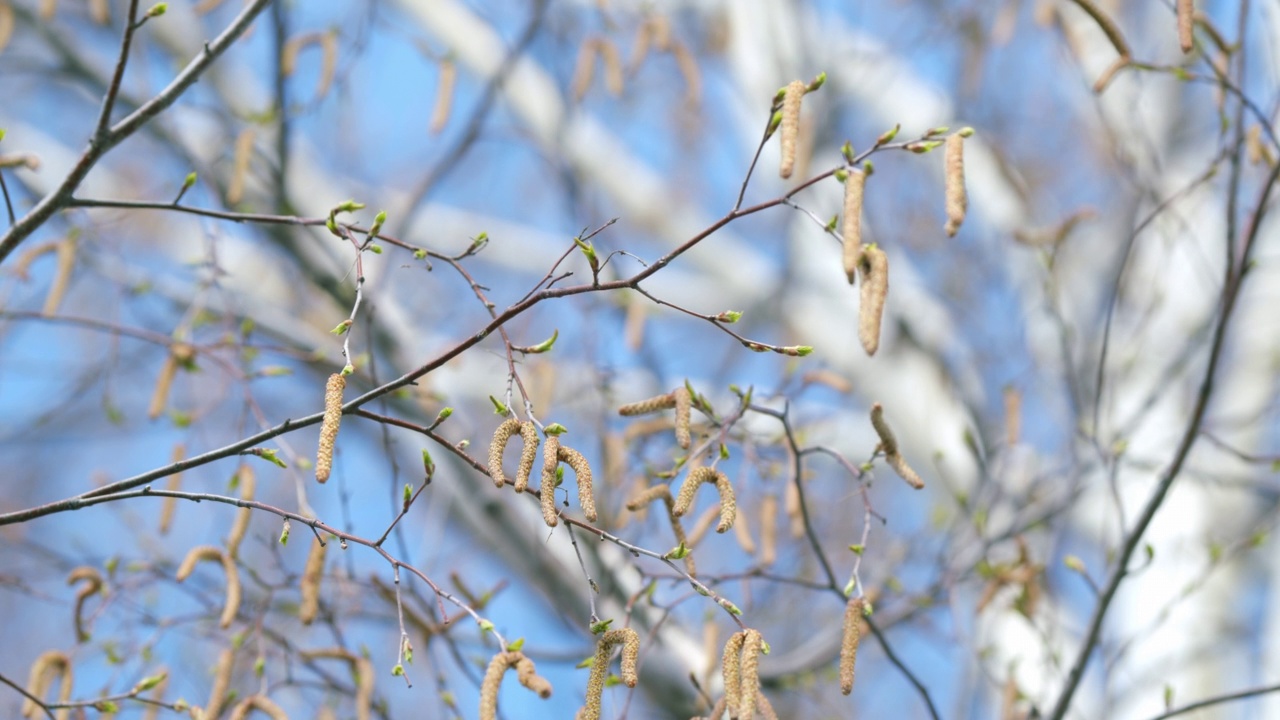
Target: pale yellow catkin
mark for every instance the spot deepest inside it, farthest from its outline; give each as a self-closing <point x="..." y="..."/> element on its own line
<point x="630" y="642"/>
<point x="957" y="198"/>
<point x="240" y="526"/>
<point x="684" y="403"/>
<point x="360" y="667"/>
<point x="240" y="166"/>
<point x="851" y="227"/>
<point x="329" y="426"/>
<point x="49" y="665"/>
<point x="169" y="505"/>
<point x="312" y="575"/>
<point x="257" y="702"/>
<point x="48" y="8"/>
<point x="850" y="633"/>
<point x="888" y="441"/>
<point x="528" y="455"/>
<point x="1186" y="13"/>
<point x="732" y="669"/>
<point x="221" y="683"/>
<point x="791" y="125"/>
<point x="612" y="67"/>
<point x="663" y="492"/>
<point x="752" y="645"/>
<point x="695" y="479"/>
<point x="497" y="446"/>
<point x="1012" y="415"/>
<point x="179" y="353"/>
<point x="93" y="584"/>
<point x="493" y="680"/>
<point x="900" y="466"/>
<point x="874" y="266"/>
<point x="584" y="70"/>
<point x="586" y="494"/>
<point x="233" y="595"/>
<point x="768" y="530"/>
<point x="6" y="24"/>
<point x="688" y="68"/>
<point x="742" y="533"/>
<point x="651" y="405"/>
<point x="445" y="83"/>
<point x="328" y="62"/>
<point x="99" y="11"/>
<point x="62" y="275"/>
<point x="547" y="490"/>
<point x="794" y="514"/>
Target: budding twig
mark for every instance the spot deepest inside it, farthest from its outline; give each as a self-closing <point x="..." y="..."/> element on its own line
<point x="209" y="552"/>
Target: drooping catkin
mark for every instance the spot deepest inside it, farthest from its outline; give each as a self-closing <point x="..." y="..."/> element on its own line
<point x="6" y="24"/>
<point x="312" y="574"/>
<point x="240" y="526"/>
<point x="630" y="642"/>
<point x="528" y="455"/>
<point x="169" y="505"/>
<point x="445" y="83"/>
<point x="547" y="490"/>
<point x="742" y="533"/>
<point x="586" y="495"/>
<point x="795" y="515"/>
<point x="526" y="672"/>
<point x="683" y="404"/>
<point x="62" y="275"/>
<point x="361" y="667"/>
<point x="99" y="11"/>
<point x="689" y="71"/>
<point x="651" y="405"/>
<point x="209" y="552"/>
<point x="240" y="166"/>
<point x="663" y="491"/>
<point x="874" y="267"/>
<point x="1012" y="415"/>
<point x="612" y="66"/>
<point x="768" y="530"/>
<point x="851" y="226"/>
<point x="957" y="198"/>
<point x="900" y="466"/>
<point x="791" y="125"/>
<point x="221" y="683"/>
<point x="329" y="426"/>
<point x="752" y="645"/>
<point x="329" y="62"/>
<point x="732" y="669"/>
<point x="850" y="633"/>
<point x="257" y="702"/>
<point x="702" y="525"/>
<point x="888" y="441"/>
<point x="765" y="707"/>
<point x="584" y="70"/>
<point x="497" y="446"/>
<point x="49" y="665"/>
<point x="695" y="479"/>
<point x="93" y="584"/>
<point x="180" y="353"/>
<point x="1186" y="13"/>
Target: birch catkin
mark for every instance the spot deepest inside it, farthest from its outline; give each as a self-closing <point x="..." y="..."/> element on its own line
<point x="209" y="552"/>
<point x="630" y="642"/>
<point x="93" y="578"/>
<point x="169" y="505"/>
<point x="695" y="479"/>
<point x="752" y="644"/>
<point x="768" y="530"/>
<point x="683" y="403"/>
<point x="889" y="445"/>
<point x="312" y="574"/>
<point x="851" y="227"/>
<point x="49" y="665"/>
<point x="791" y="125"/>
<point x="849" y="643"/>
<point x="957" y="198"/>
<point x="444" y="95"/>
<point x="240" y="166"/>
<point x="329" y="427"/>
<point x="874" y="266"/>
<point x="586" y="495"/>
<point x="732" y="663"/>
<point x="248" y="486"/>
<point x="526" y="672"/>
<point x="246" y="706"/>
<point x="547" y="490"/>
<point x="1186" y="13"/>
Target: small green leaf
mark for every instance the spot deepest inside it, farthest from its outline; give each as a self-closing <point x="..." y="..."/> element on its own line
<point x="600" y="626"/>
<point x="1074" y="563"/>
<point x="590" y="661"/>
<point x="485" y="626"/>
<point x="515" y="645"/>
<point x="341" y="328"/>
<point x="149" y="682"/>
<point x="419" y="254"/>
<point x="546" y="345"/>
<point x="680" y="552"/>
<point x="189" y="181"/>
<point x="443" y="415"/>
<point x="888" y="136"/>
<point x="729" y="317"/>
<point x="398" y="670"/>
<point x="106" y="707"/>
<point x="857" y="549"/>
<point x="157" y="10"/>
<point x="408" y="494"/>
<point x="259" y="666"/>
<point x="724" y="451"/>
<point x="284" y="533"/>
<point x="554" y="429"/>
<point x="817" y="82"/>
<point x="375" y="249"/>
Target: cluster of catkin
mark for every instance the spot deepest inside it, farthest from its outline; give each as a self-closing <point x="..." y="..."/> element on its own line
<point x="889" y="446"/>
<point x="630" y="642"/>
<point x="680" y="399"/>
<point x="741" y="666"/>
<point x="525" y="672"/>
<point x="211" y="553"/>
<point x="553" y="454"/>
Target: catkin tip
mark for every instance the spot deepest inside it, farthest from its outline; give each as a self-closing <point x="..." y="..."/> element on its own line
<point x="586" y="494"/>
<point x="1186" y="14"/>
